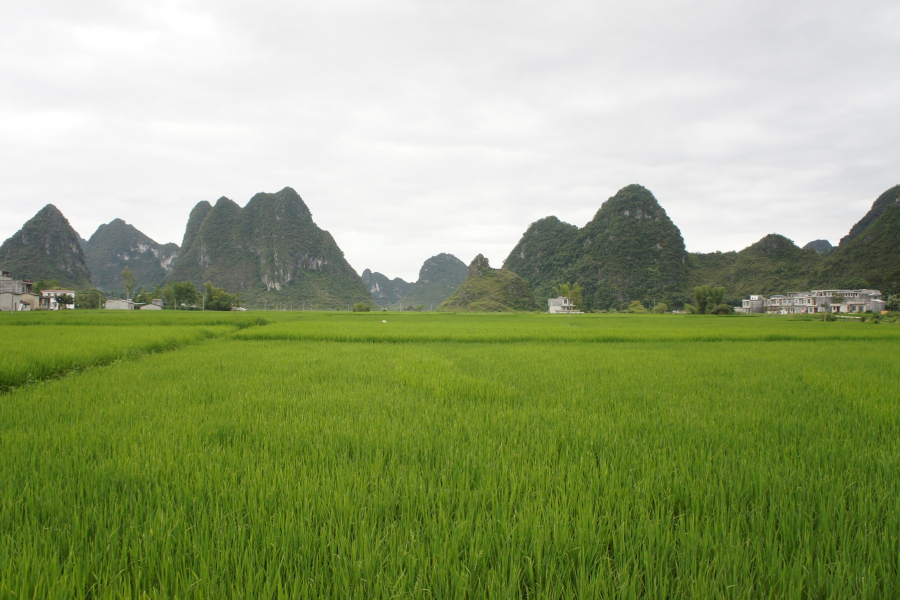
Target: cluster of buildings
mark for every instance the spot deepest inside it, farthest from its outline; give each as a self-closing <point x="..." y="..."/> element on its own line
<point x="19" y="295"/>
<point x="815" y="301"/>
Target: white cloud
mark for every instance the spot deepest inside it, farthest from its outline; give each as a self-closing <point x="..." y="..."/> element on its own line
<point x="415" y="128"/>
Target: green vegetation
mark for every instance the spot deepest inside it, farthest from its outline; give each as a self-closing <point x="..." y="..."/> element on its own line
<point x="46" y="248"/>
<point x="573" y="291"/>
<point x="269" y="251"/>
<point x="312" y="457"/>
<point x="888" y="198"/>
<point x="773" y="265"/>
<point x="439" y="277"/>
<point x="218" y="299"/>
<point x="128" y="281"/>
<point x="117" y="245"/>
<point x="361" y="307"/>
<point x="544" y="255"/>
<point x="490" y="290"/>
<point x="871" y="259"/>
<point x="629" y="251"/>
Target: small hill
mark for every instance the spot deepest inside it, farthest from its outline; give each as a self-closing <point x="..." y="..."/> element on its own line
<point x="46" y="248"/>
<point x="631" y="250"/>
<point x="439" y="277"/>
<point x="271" y="251"/>
<point x="889" y="197"/>
<point x="820" y="246"/>
<point x="773" y="265"/>
<point x="872" y="258"/>
<point x="385" y="291"/>
<point x="116" y="245"/>
<point x="490" y="290"/>
<point x="544" y="255"/>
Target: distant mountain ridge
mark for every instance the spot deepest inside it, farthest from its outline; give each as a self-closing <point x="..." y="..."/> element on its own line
<point x="46" y="247"/>
<point x="439" y="277"/>
<point x="384" y="291"/>
<point x="271" y="250"/>
<point x="116" y="245"/>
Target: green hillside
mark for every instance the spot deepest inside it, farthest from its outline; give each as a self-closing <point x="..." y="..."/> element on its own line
<point x="270" y="251"/>
<point x="889" y="197"/>
<point x="773" y="265"/>
<point x="116" y="245"/>
<point x="46" y="248"/>
<point x="439" y="277"/>
<point x="872" y="258"/>
<point x="543" y="255"/>
<point x="490" y="290"/>
<point x="630" y="250"/>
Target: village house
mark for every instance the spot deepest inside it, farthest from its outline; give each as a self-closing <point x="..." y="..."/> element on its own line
<point x="815" y="301"/>
<point x="48" y="299"/>
<point x="16" y="294"/>
<point x="562" y="305"/>
<point x="114" y="304"/>
<point x="155" y="304"/>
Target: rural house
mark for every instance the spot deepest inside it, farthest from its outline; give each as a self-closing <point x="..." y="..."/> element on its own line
<point x="48" y="299"/>
<point x="114" y="304"/>
<point x="562" y="305"/>
<point x="16" y="294"/>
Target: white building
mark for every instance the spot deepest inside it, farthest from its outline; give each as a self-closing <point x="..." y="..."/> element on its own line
<point x="562" y="305"/>
<point x="48" y="299"/>
<point x="119" y="305"/>
<point x="816" y="301"/>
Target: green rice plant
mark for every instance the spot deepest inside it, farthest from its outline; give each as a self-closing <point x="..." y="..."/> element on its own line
<point x="40" y="352"/>
<point x="305" y="469"/>
<point x="515" y="328"/>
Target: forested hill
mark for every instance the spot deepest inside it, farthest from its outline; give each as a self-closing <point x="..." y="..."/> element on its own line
<point x="439" y="277"/>
<point x="385" y="291"/>
<point x="773" y="265"/>
<point x="46" y="248"/>
<point x="871" y="258"/>
<point x="490" y="290"/>
<point x="629" y="251"/>
<point x="888" y="198"/>
<point x="271" y="251"/>
<point x="116" y="245"/>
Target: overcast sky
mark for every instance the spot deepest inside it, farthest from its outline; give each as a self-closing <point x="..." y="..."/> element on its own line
<point x="413" y="127"/>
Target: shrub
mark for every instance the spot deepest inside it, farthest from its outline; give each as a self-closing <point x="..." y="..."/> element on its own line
<point x="361" y="307"/>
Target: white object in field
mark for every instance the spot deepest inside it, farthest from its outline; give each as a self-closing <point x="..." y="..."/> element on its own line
<point x="384" y="321"/>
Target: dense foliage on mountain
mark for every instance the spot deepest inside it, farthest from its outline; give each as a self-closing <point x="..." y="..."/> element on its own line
<point x="439" y="277"/>
<point x="270" y="252"/>
<point x="384" y="291"/>
<point x="46" y="248"/>
<point x="889" y="197"/>
<point x="490" y="290"/>
<point x="543" y="255"/>
<point x="820" y="246"/>
<point x="872" y="258"/>
<point x="116" y="245"/>
<point x="629" y="251"/>
<point x="773" y="265"/>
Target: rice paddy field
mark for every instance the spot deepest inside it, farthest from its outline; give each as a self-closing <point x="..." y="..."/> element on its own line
<point x="330" y="455"/>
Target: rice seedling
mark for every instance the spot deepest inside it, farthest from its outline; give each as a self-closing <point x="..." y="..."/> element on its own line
<point x="744" y="467"/>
